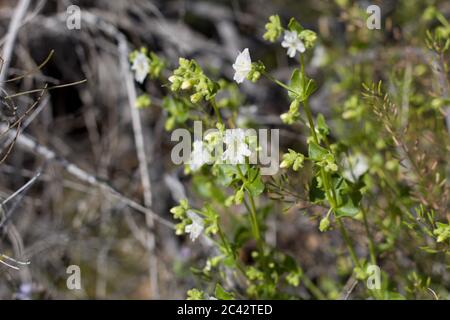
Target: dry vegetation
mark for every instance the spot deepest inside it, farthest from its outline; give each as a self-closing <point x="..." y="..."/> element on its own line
<point x="87" y="179"/>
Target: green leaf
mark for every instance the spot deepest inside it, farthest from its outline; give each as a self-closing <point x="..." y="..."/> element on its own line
<point x="349" y="196"/>
<point x="310" y="88"/>
<point x="207" y="188"/>
<point x="296" y="85"/>
<point x="227" y="173"/>
<point x="221" y="294"/>
<point x="294" y="25"/>
<point x="322" y="126"/>
<point x="349" y="209"/>
<point x="316" y="152"/>
<point x="255" y="185"/>
<point x="301" y="87"/>
<point x="178" y="110"/>
<point x="429" y="249"/>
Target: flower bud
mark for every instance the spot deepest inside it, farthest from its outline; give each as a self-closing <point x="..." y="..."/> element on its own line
<point x="284" y="164"/>
<point x="298" y="163"/>
<point x="178" y="212"/>
<point x="324" y="224"/>
<point x="196" y="97"/>
<point x="187" y="84"/>
<point x="239" y="197"/>
<point x="293" y="108"/>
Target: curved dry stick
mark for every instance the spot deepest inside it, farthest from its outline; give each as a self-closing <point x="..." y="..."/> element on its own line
<point x="39" y="67"/>
<point x="19" y="195"/>
<point x="11" y="146"/>
<point x="28" y="111"/>
<point x="18" y="124"/>
<point x="46" y="88"/>
<point x="5" y="257"/>
<point x="7" y="102"/>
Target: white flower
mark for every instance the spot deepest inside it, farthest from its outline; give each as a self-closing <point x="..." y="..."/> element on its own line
<point x="199" y="155"/>
<point x="354" y="166"/>
<point x="196" y="228"/>
<point x="140" y="67"/>
<point x="237" y="149"/>
<point x="293" y="43"/>
<point x="242" y="66"/>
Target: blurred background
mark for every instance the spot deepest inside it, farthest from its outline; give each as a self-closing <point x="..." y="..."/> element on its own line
<point x="69" y="215"/>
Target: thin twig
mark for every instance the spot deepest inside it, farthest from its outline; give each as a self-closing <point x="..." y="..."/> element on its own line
<point x="5" y="257"/>
<point x="26" y="142"/>
<point x="13" y="29"/>
<point x="143" y="162"/>
<point x="349" y="287"/>
<point x="22" y="189"/>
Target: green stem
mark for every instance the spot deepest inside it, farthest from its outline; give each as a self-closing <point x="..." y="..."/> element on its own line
<point x="313" y="288"/>
<point x="254" y="217"/>
<point x="326" y="182"/>
<point x="231" y="252"/>
<point x="311" y="121"/>
<point x="323" y="174"/>
<point x="373" y="256"/>
<point x="349" y="243"/>
<point x="251" y="209"/>
<point x="216" y="110"/>
<point x="278" y="82"/>
<point x="225" y="243"/>
<point x="442" y="19"/>
<point x="252" y="221"/>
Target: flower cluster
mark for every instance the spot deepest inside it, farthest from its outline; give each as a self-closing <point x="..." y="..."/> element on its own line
<point x="195" y="228"/>
<point x="293" y="114"/>
<point x="296" y="39"/>
<point x="189" y="76"/>
<point x="195" y="222"/>
<point x="190" y="223"/>
<point x="292" y="159"/>
<point x="210" y="150"/>
<point x="273" y="29"/>
<point x="322" y="157"/>
<point x="237" y="148"/>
